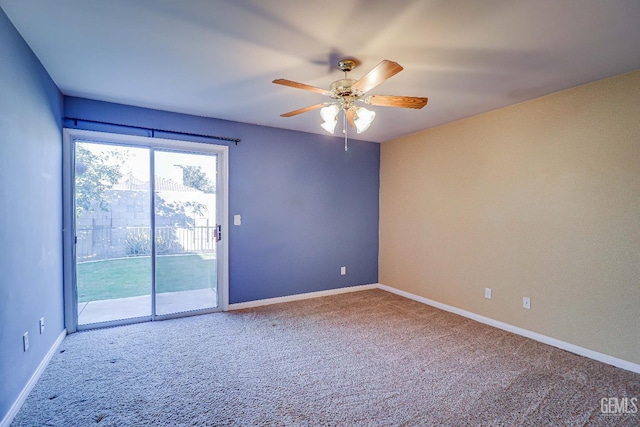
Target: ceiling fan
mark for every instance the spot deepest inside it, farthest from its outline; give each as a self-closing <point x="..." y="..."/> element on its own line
<point x="346" y="92"/>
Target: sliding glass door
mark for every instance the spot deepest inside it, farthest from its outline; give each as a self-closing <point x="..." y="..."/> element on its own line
<point x="113" y="225"/>
<point x="137" y="257"/>
<point x="186" y="231"/>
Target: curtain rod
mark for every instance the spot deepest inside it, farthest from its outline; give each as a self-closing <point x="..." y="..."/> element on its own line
<point x="153" y="130"/>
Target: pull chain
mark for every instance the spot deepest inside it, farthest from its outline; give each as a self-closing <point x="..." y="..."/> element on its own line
<point x="344" y="129"/>
<point x="344" y="120"/>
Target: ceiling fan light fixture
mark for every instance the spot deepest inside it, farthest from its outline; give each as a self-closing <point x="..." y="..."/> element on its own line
<point x="363" y="118"/>
<point x="346" y="92"/>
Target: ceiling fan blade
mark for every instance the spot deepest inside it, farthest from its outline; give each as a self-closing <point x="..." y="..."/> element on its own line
<point x="303" y="86"/>
<point x="397" y="101"/>
<point x="350" y="117"/>
<point x="381" y="72"/>
<point x="303" y="110"/>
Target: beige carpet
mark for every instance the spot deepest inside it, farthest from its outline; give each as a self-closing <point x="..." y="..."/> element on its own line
<point x="366" y="358"/>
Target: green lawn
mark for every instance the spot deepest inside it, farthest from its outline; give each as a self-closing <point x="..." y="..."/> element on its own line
<point x="130" y="277"/>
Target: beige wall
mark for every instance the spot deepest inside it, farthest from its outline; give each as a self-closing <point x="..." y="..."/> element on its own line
<point x="540" y="199"/>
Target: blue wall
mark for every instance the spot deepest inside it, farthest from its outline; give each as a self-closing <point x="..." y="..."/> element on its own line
<point x="30" y="212"/>
<point x="308" y="207"/>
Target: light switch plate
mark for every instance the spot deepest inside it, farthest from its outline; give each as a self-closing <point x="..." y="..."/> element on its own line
<point x="237" y="219"/>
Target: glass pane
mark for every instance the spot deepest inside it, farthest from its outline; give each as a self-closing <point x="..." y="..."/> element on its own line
<point x="185" y="221"/>
<point x="113" y="219"/>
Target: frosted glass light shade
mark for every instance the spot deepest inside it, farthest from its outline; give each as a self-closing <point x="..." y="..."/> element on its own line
<point x="363" y="119"/>
<point x="330" y="116"/>
<point x="329" y="126"/>
<point x="329" y="112"/>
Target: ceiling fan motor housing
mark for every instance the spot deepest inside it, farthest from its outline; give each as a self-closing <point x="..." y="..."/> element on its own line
<point x="343" y="87"/>
<point x="343" y="91"/>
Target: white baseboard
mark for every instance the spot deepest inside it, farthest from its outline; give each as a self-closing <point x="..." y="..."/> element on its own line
<point x="581" y="351"/>
<point x="298" y="297"/>
<point x="8" y="418"/>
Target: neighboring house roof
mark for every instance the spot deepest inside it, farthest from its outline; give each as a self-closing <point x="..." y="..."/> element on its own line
<point x="130" y="182"/>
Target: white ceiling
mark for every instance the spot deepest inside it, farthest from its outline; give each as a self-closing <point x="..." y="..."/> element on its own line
<point x="218" y="58"/>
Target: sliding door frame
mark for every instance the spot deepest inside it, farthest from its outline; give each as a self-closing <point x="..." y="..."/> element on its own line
<point x="70" y="137"/>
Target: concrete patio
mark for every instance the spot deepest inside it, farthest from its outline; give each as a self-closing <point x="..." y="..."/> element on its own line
<point x="140" y="306"/>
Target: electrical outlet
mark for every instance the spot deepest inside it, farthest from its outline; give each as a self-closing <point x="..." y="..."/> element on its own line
<point x="42" y="325"/>
<point x="526" y="303"/>
<point x="487" y="293"/>
<point x="25" y="341"/>
<point x="343" y="270"/>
